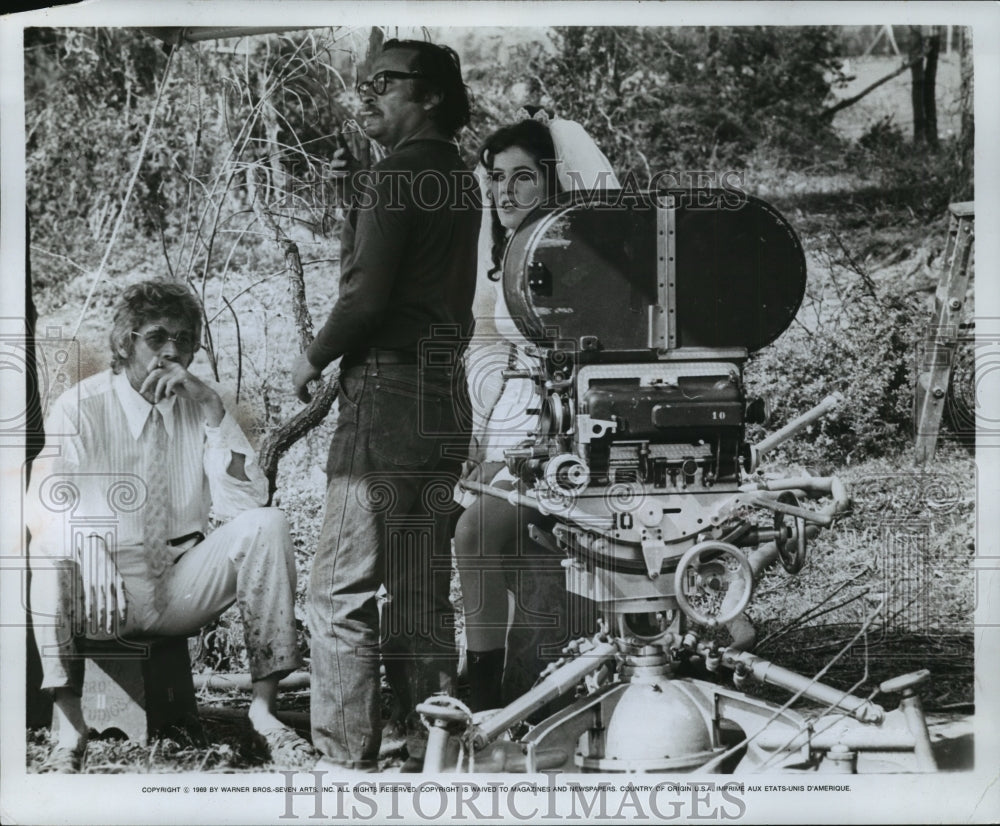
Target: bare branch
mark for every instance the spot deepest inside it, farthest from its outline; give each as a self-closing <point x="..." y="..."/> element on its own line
<point x="831" y="110"/>
<point x="239" y="349"/>
<point x="285" y="435"/>
<point x="70" y="261"/>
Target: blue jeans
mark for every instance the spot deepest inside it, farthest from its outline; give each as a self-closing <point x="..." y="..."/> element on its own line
<point x="394" y="460"/>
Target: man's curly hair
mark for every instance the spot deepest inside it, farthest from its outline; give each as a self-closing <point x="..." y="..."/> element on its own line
<point x="147" y="301"/>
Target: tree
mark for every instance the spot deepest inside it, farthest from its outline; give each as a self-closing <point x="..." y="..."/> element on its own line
<point x="966" y="139"/>
<point x="681" y="98"/>
<point x="925" y="44"/>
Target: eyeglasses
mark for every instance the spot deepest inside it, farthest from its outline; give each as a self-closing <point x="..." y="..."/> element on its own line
<point x="378" y="84"/>
<point x="157" y="338"/>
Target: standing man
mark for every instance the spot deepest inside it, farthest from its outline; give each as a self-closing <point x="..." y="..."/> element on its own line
<point x="137" y="459"/>
<point x="403" y="315"/>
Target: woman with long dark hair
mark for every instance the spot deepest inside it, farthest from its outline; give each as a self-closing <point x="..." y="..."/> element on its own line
<point x="525" y="162"/>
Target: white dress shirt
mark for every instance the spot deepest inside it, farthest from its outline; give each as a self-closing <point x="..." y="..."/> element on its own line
<point x="90" y="476"/>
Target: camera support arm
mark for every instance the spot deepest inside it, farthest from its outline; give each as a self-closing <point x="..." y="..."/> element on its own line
<point x="758" y="450"/>
<point x="557" y="683"/>
<point x="814" y="486"/>
<point x="764" y="671"/>
<point x="514" y="497"/>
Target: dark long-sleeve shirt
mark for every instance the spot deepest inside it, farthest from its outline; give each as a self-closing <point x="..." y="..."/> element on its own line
<point x="408" y="254"/>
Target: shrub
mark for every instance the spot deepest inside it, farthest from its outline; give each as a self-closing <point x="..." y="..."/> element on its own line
<point x="864" y="350"/>
<point x="883" y="136"/>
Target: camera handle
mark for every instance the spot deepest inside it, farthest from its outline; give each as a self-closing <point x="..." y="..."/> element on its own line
<point x="758" y="450"/>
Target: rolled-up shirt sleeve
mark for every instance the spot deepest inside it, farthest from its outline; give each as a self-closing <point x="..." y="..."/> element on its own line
<point x="231" y="496"/>
<point x="373" y="244"/>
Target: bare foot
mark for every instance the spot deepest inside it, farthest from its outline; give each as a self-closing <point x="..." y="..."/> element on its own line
<point x="67" y="720"/>
<point x="262" y="718"/>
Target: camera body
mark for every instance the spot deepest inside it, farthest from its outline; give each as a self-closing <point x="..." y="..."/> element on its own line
<point x="643" y="308"/>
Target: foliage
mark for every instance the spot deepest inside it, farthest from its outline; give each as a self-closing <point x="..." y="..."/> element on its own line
<point x="87" y="92"/>
<point x="884" y="137"/>
<point x="217" y="112"/>
<point x="925" y="183"/>
<point x="687" y="99"/>
<point x="852" y="338"/>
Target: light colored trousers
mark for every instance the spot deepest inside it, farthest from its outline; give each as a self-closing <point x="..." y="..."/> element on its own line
<point x="249" y="560"/>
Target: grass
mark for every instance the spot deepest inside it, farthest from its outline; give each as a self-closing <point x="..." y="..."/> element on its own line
<point x="903" y="553"/>
<point x="225" y="745"/>
<point x="230" y="750"/>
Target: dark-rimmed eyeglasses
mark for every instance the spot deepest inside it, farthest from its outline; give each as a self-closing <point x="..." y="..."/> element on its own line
<point x="157" y="338"/>
<point x="379" y="82"/>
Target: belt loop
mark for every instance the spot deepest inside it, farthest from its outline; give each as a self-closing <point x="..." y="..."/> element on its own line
<point x="373" y="360"/>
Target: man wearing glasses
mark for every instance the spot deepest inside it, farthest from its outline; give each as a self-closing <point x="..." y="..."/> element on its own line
<point x="403" y="313"/>
<point x="138" y="459"/>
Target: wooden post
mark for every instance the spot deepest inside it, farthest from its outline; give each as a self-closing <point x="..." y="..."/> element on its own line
<point x="937" y="358"/>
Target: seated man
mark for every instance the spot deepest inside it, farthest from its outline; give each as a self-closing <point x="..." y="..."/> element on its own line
<point x="137" y="459"/>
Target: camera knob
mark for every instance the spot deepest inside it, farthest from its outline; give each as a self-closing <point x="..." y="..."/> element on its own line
<point x="650" y="514"/>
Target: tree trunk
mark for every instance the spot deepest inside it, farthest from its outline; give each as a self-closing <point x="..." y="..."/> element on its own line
<point x="930" y="78"/>
<point x="285" y="435"/>
<point x="966" y="138"/>
<point x="917" y="88"/>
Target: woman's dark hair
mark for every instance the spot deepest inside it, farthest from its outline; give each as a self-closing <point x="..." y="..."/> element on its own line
<point x="442" y="72"/>
<point x="144" y="302"/>
<point x="533" y="137"/>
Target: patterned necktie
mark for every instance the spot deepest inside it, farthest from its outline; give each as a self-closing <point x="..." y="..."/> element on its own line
<point x="154" y="535"/>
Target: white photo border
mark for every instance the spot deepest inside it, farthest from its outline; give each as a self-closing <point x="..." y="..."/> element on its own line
<point x="972" y="796"/>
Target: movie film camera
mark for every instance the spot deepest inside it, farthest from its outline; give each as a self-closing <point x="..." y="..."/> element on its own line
<point x="643" y="312"/>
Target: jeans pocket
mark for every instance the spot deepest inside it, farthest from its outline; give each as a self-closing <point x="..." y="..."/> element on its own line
<point x="406" y="423"/>
<point x="350" y="386"/>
